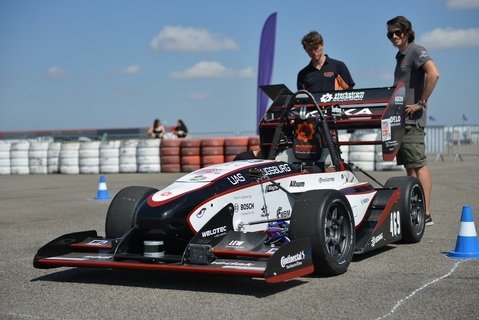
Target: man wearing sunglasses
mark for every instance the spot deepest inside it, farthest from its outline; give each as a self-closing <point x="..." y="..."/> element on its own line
<point x="322" y="73"/>
<point x="418" y="71"/>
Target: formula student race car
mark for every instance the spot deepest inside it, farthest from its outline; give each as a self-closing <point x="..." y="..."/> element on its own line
<point x="264" y="217"/>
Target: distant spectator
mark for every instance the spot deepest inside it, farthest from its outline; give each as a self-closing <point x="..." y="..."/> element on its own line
<point x="181" y="130"/>
<point x="157" y="130"/>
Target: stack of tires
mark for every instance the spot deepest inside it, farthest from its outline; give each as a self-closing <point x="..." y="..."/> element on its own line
<point x="253" y="143"/>
<point x="19" y="163"/>
<point x="363" y="156"/>
<point x="110" y="156"/>
<point x="89" y="157"/>
<point x="53" y="157"/>
<point x="170" y="159"/>
<point x="148" y="155"/>
<point x="234" y="146"/>
<point x="344" y="148"/>
<point x="382" y="165"/>
<point x="212" y="151"/>
<point x="190" y="151"/>
<point x="69" y="158"/>
<point x="5" y="158"/>
<point x="128" y="163"/>
<point x="38" y="157"/>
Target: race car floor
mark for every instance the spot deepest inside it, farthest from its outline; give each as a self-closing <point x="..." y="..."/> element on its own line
<point x="415" y="281"/>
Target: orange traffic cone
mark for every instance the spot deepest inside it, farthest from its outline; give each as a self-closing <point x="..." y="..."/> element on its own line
<point x="466" y="244"/>
<point x="102" y="193"/>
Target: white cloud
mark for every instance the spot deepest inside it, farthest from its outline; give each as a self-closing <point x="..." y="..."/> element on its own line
<point x="450" y="38"/>
<point x="187" y="39"/>
<point x="134" y="69"/>
<point x="462" y="4"/>
<point x="56" y="73"/>
<point x="211" y="70"/>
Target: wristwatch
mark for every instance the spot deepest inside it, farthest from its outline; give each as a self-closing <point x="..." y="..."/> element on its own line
<point x="422" y="103"/>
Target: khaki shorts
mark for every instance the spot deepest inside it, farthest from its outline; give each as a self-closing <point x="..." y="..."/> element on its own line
<point x="412" y="152"/>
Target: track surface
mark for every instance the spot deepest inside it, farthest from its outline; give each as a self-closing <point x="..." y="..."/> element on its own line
<point x="399" y="282"/>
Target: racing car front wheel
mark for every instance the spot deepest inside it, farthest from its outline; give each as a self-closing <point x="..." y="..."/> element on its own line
<point x="121" y="215"/>
<point x="325" y="216"/>
<point x="412" y="206"/>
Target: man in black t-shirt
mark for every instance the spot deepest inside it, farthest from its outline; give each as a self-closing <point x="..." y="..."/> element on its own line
<point x="322" y="73"/>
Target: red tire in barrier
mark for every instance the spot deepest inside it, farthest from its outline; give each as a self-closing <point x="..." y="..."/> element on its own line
<point x="190" y="151"/>
<point x="170" y="160"/>
<point x="211" y="151"/>
<point x="190" y="167"/>
<point x="253" y="143"/>
<point x="190" y="143"/>
<point x="213" y="142"/>
<point x="169" y="151"/>
<point x="170" y="143"/>
<point x="171" y="167"/>
<point x="212" y="159"/>
<point x="191" y="160"/>
<point x="229" y="158"/>
<point x="236" y="141"/>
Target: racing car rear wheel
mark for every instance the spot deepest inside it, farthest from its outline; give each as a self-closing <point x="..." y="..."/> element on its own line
<point x="325" y="217"/>
<point x="412" y="206"/>
<point x="121" y="215"/>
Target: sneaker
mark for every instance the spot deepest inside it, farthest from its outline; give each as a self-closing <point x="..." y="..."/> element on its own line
<point x="429" y="221"/>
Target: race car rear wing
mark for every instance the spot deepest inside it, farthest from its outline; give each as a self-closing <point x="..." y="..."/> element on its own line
<point x="372" y="108"/>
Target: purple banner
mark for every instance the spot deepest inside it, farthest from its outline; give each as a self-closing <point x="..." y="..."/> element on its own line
<point x="265" y="66"/>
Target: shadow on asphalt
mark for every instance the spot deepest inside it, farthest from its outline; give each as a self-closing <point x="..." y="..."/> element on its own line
<point x="172" y="280"/>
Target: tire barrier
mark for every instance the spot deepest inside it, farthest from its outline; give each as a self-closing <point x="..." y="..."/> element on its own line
<point x="253" y="143"/>
<point x="212" y="151"/>
<point x="69" y="160"/>
<point x="170" y="158"/>
<point x="148" y="156"/>
<point x="53" y="157"/>
<point x="235" y="146"/>
<point x="345" y="148"/>
<point x="110" y="156"/>
<point x="38" y="157"/>
<point x="5" y="158"/>
<point x="89" y="157"/>
<point x="128" y="163"/>
<point x="19" y="158"/>
<point x="190" y="151"/>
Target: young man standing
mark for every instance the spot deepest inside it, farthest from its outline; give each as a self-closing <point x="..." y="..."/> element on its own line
<point x="418" y="71"/>
<point x="322" y="73"/>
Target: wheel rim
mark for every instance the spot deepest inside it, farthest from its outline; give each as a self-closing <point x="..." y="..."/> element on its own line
<point x="336" y="231"/>
<point x="416" y="209"/>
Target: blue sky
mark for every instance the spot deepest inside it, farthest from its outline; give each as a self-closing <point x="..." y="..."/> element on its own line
<point x="68" y="64"/>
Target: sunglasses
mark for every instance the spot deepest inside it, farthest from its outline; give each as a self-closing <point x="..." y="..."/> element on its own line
<point x="397" y="33"/>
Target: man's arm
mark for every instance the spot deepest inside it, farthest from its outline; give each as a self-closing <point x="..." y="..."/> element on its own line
<point x="432" y="76"/>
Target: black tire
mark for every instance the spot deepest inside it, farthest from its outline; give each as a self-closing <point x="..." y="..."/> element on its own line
<point x="121" y="215"/>
<point x="412" y="207"/>
<point x="325" y="217"/>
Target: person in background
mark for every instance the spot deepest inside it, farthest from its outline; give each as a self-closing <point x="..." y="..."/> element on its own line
<point x="420" y="74"/>
<point x="322" y="73"/>
<point x="157" y="130"/>
<point x="181" y="130"/>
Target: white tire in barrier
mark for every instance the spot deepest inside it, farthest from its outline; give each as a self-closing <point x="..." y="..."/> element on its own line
<point x="362" y="156"/>
<point x="364" y="165"/>
<point x="110" y="156"/>
<point x="89" y="157"/>
<point x="38" y="155"/>
<point x="148" y="155"/>
<point x="53" y="155"/>
<point x="145" y="152"/>
<point x="84" y="169"/>
<point x="19" y="158"/>
<point x="128" y="167"/>
<point x="149" y="168"/>
<point x="69" y="158"/>
<point x="363" y="136"/>
<point x="5" y="158"/>
<point x="128" y="152"/>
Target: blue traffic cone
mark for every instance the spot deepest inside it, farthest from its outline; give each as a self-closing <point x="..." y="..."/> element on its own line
<point x="466" y="245"/>
<point x="102" y="193"/>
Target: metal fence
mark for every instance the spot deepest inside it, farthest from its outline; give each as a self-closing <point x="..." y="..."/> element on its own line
<point x="457" y="141"/>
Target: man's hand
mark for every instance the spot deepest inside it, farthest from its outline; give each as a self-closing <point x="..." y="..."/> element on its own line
<point x="411" y="108"/>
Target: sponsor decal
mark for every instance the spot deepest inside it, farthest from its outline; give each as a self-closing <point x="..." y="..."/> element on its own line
<point x="305" y="131"/>
<point x="97" y="257"/>
<point x="276" y="169"/>
<point x="327" y="179"/>
<point x="235" y="244"/>
<point x="376" y="239"/>
<point x="271" y="187"/>
<point x="386" y="130"/>
<point x="246" y="206"/>
<point x="214" y="232"/>
<point x="399" y="99"/>
<point x="342" y="97"/>
<point x="236" y="178"/>
<point x="201" y="213"/>
<point x="283" y="214"/>
<point x="198" y="178"/>
<point x="98" y="242"/>
<point x="364" y="201"/>
<point x="291" y="261"/>
<point x="395" y="223"/>
<point x="354" y="112"/>
<point x="296" y="184"/>
<point x="165" y="194"/>
<point x="233" y="263"/>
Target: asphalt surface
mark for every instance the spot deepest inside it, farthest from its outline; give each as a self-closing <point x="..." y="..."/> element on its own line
<point x="399" y="282"/>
